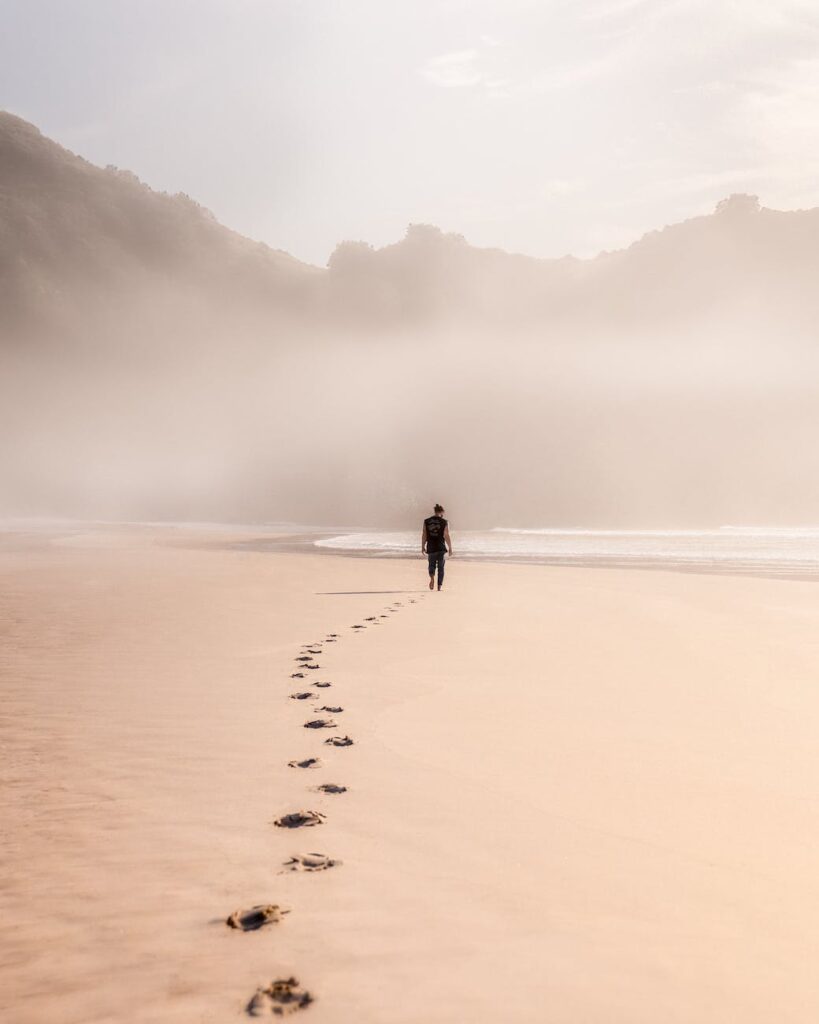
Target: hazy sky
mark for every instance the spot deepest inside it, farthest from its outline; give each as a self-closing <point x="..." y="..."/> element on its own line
<point x="542" y="127"/>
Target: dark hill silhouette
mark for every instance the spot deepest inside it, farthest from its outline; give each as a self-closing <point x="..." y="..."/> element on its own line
<point x="73" y="233"/>
<point x="156" y="364"/>
<point x="688" y="269"/>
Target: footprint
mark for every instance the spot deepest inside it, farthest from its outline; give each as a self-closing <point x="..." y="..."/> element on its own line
<point x="370" y="618"/>
<point x="329" y="641"/>
<point x="358" y="627"/>
<point x="320" y="723"/>
<point x="312" y="667"/>
<point x="304" y="657"/>
<point x="339" y="741"/>
<point x="322" y="686"/>
<point x="382" y="616"/>
<point x="308" y="762"/>
<point x="300" y="819"/>
<point x="256" y="917"/>
<point x="330" y="787"/>
<point x="279" y="998"/>
<point x="333" y="635"/>
<point x="303" y="696"/>
<point x="311" y="862"/>
<point x="297" y="675"/>
<point x="332" y="711"/>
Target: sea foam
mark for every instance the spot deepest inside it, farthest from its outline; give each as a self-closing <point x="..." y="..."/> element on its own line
<point x="729" y="548"/>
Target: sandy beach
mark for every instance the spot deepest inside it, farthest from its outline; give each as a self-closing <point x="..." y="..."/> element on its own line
<point x="581" y="796"/>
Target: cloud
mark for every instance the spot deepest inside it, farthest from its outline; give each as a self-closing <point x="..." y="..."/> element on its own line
<point x="492" y="68"/>
<point x="455" y="70"/>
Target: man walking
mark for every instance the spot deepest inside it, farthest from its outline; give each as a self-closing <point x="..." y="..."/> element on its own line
<point x="434" y="543"/>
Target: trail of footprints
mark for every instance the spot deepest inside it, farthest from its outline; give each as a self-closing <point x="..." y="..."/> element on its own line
<point x="284" y="996"/>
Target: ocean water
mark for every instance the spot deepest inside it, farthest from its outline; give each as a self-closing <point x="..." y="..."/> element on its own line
<point x="776" y="551"/>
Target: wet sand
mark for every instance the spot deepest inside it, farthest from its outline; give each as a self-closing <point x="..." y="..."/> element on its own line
<point x="573" y="794"/>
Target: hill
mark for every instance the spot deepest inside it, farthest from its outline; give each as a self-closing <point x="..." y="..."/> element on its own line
<point x="74" y="234"/>
<point x="157" y="364"/>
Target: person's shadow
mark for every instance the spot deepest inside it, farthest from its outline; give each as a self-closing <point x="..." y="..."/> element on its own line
<point x="324" y="593"/>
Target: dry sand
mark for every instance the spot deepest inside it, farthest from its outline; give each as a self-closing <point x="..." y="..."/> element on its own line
<point x="575" y="796"/>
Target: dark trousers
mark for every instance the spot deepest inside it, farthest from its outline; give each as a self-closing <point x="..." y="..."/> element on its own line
<point x="436" y="559"/>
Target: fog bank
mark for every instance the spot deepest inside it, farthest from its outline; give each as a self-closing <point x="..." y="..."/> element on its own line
<point x="156" y="365"/>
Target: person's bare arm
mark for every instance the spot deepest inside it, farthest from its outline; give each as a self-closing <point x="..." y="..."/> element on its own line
<point x="424" y="540"/>
<point x="448" y="541"/>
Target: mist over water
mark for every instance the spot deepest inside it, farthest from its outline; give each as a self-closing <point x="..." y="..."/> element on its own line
<point x="351" y="430"/>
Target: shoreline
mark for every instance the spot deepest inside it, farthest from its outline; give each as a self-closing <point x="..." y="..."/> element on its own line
<point x="594" y="788"/>
<point x="305" y="545"/>
<point x="289" y="538"/>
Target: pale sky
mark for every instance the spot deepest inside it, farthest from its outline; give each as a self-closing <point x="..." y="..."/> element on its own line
<point x="549" y="127"/>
